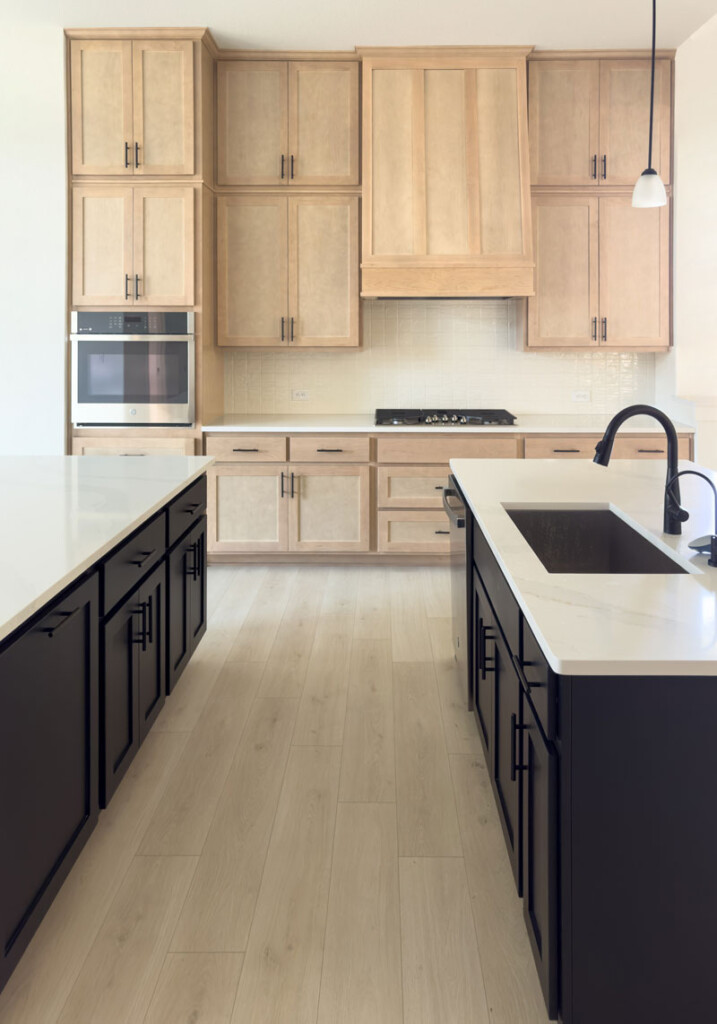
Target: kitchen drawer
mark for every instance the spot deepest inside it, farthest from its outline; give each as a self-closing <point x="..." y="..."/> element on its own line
<point x="329" y="449"/>
<point x="411" y="486"/>
<point x="186" y="509"/>
<point x="246" y="448"/>
<point x="501" y="596"/>
<point x="442" y="449"/>
<point x="415" y="531"/>
<point x="583" y="447"/>
<point x="132" y="560"/>
<point x="539" y="682"/>
<point x="133" y="446"/>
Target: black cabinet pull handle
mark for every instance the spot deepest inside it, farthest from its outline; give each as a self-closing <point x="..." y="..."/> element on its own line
<point x="515" y="768"/>
<point x="438" y="487"/>
<point x="594" y="330"/>
<point x="329" y="449"/>
<point x="292" y="485"/>
<point x="136" y="286"/>
<point x="651" y="451"/>
<point x="136" y="154"/>
<point x="50" y="631"/>
<point x="245" y="449"/>
<point x="126" y="287"/>
<point x="563" y="451"/>
<point x="283" y="321"/>
<point x="604" y="328"/>
<point x="139" y="562"/>
<point x="190" y="510"/>
<point x="150" y="619"/>
<point x="191" y="570"/>
<point x="522" y="677"/>
<point x="487" y="662"/>
<point x="126" y="154"/>
<point x="292" y="166"/>
<point x="594" y="170"/>
<point x="604" y="166"/>
<point x="282" y="485"/>
<point x="142" y="638"/>
<point x="442" y="531"/>
<point x="283" y="164"/>
<point x="291" y="329"/>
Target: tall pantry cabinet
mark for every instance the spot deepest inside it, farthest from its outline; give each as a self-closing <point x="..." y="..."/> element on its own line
<point x="602" y="268"/>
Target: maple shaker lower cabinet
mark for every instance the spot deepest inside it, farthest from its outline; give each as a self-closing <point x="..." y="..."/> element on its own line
<point x="186" y="599"/>
<point x="246" y="507"/>
<point x="49" y="698"/>
<point x="329" y="508"/>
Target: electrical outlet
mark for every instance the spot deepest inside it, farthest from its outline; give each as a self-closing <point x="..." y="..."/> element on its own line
<point x="581" y="396"/>
<point x="299" y="396"/>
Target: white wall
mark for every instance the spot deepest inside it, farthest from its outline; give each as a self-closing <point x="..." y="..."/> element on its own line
<point x="33" y="231"/>
<point x="695" y="234"/>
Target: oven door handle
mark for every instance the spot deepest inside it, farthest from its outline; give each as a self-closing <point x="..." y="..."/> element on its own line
<point x="456" y="513"/>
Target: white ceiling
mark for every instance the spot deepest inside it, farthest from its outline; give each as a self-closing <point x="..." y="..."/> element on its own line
<point x="343" y="24"/>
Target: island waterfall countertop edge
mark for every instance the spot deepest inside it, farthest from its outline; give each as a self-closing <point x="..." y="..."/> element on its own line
<point x="63" y="513"/>
<point x="603" y="624"/>
<point x="364" y="424"/>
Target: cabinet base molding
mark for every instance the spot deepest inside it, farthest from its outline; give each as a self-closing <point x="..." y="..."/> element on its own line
<point x="445" y="282"/>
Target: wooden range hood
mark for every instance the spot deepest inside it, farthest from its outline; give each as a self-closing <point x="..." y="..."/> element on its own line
<point x="446" y="177"/>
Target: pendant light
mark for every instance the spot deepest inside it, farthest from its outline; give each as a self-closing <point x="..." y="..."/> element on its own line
<point x="649" y="189"/>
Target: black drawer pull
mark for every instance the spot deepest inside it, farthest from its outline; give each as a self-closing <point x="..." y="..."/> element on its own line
<point x="442" y="531"/>
<point x="519" y="665"/>
<point x="136" y="455"/>
<point x="651" y="451"/>
<point x="66" y="616"/>
<point x="139" y="562"/>
<point x="515" y="768"/>
<point x="487" y="662"/>
<point x="329" y="449"/>
<point x="190" y="510"/>
<point x="564" y="451"/>
<point x="438" y="487"/>
<point x="245" y="449"/>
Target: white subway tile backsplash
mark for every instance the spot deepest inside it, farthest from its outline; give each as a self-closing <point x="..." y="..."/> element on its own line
<point x="452" y="352"/>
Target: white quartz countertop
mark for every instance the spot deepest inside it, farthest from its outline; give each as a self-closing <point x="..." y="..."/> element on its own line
<point x="603" y="624"/>
<point x="60" y="514"/>
<point x="364" y="424"/>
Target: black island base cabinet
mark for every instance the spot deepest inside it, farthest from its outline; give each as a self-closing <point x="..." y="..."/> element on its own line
<point x="604" y="788"/>
<point x="81" y="684"/>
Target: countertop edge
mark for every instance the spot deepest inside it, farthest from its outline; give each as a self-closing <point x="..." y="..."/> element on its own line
<point x="260" y="426"/>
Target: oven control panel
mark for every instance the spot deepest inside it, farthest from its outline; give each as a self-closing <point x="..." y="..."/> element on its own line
<point x="127" y="324"/>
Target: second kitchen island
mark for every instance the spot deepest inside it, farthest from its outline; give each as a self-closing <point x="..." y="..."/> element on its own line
<point x="593" y="680"/>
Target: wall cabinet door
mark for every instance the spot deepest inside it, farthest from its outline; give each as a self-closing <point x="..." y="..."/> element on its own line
<point x="323" y="271"/>
<point x="323" y="123"/>
<point x="48" y="761"/>
<point x="102" y="247"/>
<point x="247" y="507"/>
<point x="252" y="297"/>
<point x="163" y="106"/>
<point x="539" y="768"/>
<point x="564" y="121"/>
<point x="163" y="246"/>
<point x="252" y="122"/>
<point x="564" y="311"/>
<point x="625" y="118"/>
<point x="152" y="650"/>
<point x="507" y="781"/>
<point x="634" y="274"/>
<point x="101" y="106"/>
<point x="328" y="508"/>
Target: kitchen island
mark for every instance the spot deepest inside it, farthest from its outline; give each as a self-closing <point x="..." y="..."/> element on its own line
<point x="595" y="694"/>
<point x="102" y="604"/>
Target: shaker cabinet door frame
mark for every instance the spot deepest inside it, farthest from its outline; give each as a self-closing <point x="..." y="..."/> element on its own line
<point x="102" y="238"/>
<point x="322" y="517"/>
<point x="242" y="520"/>
<point x="163" y="246"/>
<point x="101" y="106"/>
<point x="323" y="144"/>
<point x="163" y="106"/>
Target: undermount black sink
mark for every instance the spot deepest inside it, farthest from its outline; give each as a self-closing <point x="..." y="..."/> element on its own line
<point x="590" y="540"/>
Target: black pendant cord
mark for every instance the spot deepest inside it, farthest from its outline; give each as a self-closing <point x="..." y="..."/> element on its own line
<point x="652" y="83"/>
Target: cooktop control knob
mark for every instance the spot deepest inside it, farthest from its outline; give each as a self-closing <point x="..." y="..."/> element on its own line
<point x="464" y="419"/>
<point x="444" y="419"/>
<point x="454" y="418"/>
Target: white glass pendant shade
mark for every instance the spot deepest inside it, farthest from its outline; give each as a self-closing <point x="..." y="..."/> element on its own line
<point x="649" y="190"/>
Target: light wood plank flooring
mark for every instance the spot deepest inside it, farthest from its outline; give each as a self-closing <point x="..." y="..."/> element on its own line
<point x="307" y="835"/>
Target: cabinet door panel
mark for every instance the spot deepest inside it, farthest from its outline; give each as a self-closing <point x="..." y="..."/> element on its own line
<point x="634" y="273"/>
<point x="449" y="100"/>
<point x="101" y="247"/>
<point x="163" y="91"/>
<point x="198" y="583"/>
<point x="389" y="224"/>
<point x="564" y="121"/>
<point x="411" y="486"/>
<point x="323" y="270"/>
<point x="329" y="510"/>
<point x="625" y="119"/>
<point x="323" y="123"/>
<point x="252" y="122"/>
<point x="246" y="508"/>
<point x="540" y="854"/>
<point x="164" y="246"/>
<point x="101" y="106"/>
<point x="252" y="285"/>
<point x="506" y="781"/>
<point x="119" y="726"/>
<point x="48" y="761"/>
<point x="482" y="671"/>
<point x="564" y="311"/>
<point x="152" y="654"/>
<point x="179" y="564"/>
<point x="417" y="531"/>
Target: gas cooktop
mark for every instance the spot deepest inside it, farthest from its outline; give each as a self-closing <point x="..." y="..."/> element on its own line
<point x="444" y="418"/>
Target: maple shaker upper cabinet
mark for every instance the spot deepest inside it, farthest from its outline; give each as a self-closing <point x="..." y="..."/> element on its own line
<point x="589" y="121"/>
<point x="287" y="122"/>
<point x="132" y="106"/>
<point x="446" y="189"/>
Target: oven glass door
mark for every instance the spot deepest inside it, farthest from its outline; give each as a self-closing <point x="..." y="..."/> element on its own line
<point x="132" y="372"/>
